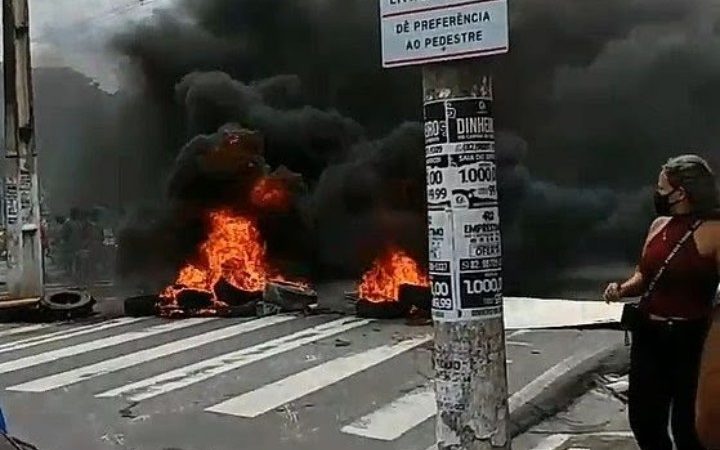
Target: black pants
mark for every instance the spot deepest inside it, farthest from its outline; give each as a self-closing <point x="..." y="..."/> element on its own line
<point x="665" y="360"/>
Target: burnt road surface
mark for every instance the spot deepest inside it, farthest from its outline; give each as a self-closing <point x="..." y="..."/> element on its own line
<point x="276" y="383"/>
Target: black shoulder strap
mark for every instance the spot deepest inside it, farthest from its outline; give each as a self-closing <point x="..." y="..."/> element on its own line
<point x="678" y="246"/>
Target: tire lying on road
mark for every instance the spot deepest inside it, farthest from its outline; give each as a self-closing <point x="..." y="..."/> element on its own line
<point x="141" y="306"/>
<point x="68" y="304"/>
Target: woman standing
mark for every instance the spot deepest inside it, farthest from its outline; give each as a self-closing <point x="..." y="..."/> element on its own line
<point x="678" y="278"/>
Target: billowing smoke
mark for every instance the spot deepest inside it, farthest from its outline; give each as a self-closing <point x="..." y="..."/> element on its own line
<point x="219" y="169"/>
<point x="597" y="97"/>
<point x="304" y="138"/>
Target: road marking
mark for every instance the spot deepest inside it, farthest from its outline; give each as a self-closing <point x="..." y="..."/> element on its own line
<point x="21" y="330"/>
<point x="552" y="442"/>
<point x="517" y="333"/>
<point x="203" y="370"/>
<point x="133" y="359"/>
<point x="397" y="418"/>
<point x="519" y="344"/>
<point x="271" y="396"/>
<point x="610" y="434"/>
<point x="42" y="358"/>
<point x="65" y="334"/>
<point x="541" y="383"/>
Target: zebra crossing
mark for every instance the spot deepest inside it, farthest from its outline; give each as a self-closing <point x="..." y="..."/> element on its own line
<point x="143" y="383"/>
<point x="274" y="395"/>
<point x="136" y="361"/>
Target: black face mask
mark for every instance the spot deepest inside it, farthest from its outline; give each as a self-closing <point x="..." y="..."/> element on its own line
<point x="663" y="205"/>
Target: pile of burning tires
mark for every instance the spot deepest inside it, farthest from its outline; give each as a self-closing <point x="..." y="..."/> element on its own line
<point x="226" y="301"/>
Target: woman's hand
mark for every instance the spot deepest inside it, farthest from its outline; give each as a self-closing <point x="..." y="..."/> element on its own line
<point x="612" y="293"/>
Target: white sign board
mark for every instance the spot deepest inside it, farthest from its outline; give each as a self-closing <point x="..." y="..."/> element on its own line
<point x="426" y="31"/>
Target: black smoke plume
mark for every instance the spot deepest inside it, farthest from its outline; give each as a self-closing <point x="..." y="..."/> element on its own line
<point x="220" y="169"/>
<point x="596" y="96"/>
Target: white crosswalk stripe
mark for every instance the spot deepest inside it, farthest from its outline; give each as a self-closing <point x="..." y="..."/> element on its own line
<point x="301" y="384"/>
<point x="397" y="418"/>
<point x="188" y="375"/>
<point x="134" y="359"/>
<point x="54" y="355"/>
<point x="22" y="330"/>
<point x="65" y="334"/>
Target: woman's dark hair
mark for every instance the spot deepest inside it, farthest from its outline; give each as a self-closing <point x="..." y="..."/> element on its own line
<point x="694" y="175"/>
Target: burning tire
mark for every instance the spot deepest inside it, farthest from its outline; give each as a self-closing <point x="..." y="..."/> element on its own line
<point x="194" y="300"/>
<point x="248" y="309"/>
<point x="417" y="296"/>
<point x="394" y="286"/>
<point x="381" y="310"/>
<point x="410" y="298"/>
<point x="141" y="306"/>
<point x="233" y="296"/>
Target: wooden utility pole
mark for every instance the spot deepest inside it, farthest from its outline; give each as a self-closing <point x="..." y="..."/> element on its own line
<point x="21" y="190"/>
<point x="465" y="258"/>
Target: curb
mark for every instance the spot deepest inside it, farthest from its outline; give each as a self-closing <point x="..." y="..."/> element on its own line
<point x="555" y="389"/>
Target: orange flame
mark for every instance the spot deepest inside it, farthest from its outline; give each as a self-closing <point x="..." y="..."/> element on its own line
<point x="382" y="282"/>
<point x="270" y="193"/>
<point x="233" y="250"/>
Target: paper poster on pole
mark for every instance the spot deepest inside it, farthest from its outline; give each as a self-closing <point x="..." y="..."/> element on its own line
<point x="460" y="177"/>
<point x="464" y="217"/>
<point x="477" y="244"/>
<point x="441" y="253"/>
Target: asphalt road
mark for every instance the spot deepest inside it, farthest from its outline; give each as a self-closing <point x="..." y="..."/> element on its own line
<point x="278" y="383"/>
<point x="595" y="421"/>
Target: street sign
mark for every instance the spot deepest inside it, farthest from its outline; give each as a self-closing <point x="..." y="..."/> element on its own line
<point x="426" y="31"/>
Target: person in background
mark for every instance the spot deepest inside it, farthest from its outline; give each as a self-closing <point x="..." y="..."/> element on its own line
<point x="45" y="237"/>
<point x="674" y="318"/>
<point x="72" y="244"/>
<point x="54" y="234"/>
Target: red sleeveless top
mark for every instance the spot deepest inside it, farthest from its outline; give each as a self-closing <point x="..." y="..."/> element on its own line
<point x="688" y="286"/>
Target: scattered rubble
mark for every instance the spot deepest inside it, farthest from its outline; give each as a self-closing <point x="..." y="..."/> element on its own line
<point x="617" y="386"/>
<point x="290" y="297"/>
<point x="342" y="343"/>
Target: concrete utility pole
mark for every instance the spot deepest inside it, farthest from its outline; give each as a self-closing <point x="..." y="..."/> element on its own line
<point x="465" y="258"/>
<point x="21" y="191"/>
<point x="446" y="37"/>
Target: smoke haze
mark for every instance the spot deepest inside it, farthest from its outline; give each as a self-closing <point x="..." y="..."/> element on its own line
<point x="594" y="98"/>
